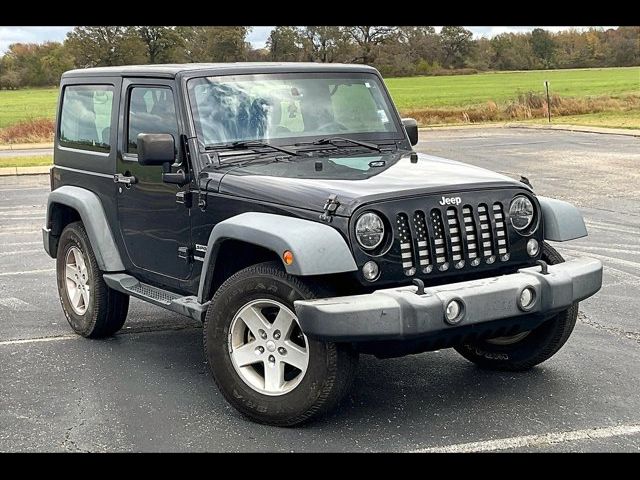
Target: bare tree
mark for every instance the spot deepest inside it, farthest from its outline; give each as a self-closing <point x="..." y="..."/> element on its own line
<point x="368" y="40"/>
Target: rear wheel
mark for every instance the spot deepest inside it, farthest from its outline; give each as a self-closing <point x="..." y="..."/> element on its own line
<point x="263" y="363"/>
<point x="525" y="349"/>
<point x="92" y="309"/>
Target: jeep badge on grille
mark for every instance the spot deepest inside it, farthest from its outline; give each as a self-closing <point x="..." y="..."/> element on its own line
<point x="450" y="201"/>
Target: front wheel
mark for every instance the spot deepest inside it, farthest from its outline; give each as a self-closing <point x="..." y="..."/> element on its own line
<point x="525" y="349"/>
<point x="263" y="363"/>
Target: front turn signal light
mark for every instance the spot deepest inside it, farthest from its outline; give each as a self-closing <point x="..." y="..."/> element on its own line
<point x="287" y="256"/>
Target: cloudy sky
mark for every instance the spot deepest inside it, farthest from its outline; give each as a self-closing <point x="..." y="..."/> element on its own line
<point x="257" y="37"/>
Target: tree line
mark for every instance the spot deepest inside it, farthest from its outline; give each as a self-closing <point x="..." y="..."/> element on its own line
<point x="395" y="51"/>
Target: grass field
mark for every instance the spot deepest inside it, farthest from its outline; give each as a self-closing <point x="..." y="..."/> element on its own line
<point x="19" y="105"/>
<point x="466" y="90"/>
<point x="26" y="161"/>
<point x="604" y="97"/>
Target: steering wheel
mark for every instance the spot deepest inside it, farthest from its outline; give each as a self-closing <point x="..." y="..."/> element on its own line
<point x="334" y="124"/>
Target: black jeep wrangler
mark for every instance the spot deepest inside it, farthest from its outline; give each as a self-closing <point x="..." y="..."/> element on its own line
<point x="283" y="205"/>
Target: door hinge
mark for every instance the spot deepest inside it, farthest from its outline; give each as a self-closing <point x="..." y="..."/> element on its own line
<point x="185" y="198"/>
<point x="330" y="207"/>
<point x="185" y="253"/>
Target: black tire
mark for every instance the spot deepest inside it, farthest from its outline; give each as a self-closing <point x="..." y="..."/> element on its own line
<point x="539" y="345"/>
<point x="331" y="366"/>
<point x="107" y="309"/>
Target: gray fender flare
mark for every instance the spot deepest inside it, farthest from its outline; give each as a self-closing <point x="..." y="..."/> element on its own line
<point x="89" y="206"/>
<point x="562" y="220"/>
<point x="317" y="248"/>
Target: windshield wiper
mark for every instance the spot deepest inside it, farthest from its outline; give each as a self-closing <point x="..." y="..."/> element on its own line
<point x="249" y="144"/>
<point x="332" y="140"/>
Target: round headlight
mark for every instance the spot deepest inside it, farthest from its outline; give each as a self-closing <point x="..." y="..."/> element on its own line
<point x="521" y="212"/>
<point x="369" y="230"/>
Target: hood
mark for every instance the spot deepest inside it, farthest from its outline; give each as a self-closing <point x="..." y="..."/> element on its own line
<point x="307" y="182"/>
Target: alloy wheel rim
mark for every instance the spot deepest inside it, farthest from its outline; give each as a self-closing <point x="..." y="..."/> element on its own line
<point x="77" y="280"/>
<point x="267" y="347"/>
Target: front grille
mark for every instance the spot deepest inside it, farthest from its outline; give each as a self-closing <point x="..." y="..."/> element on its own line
<point x="451" y="238"/>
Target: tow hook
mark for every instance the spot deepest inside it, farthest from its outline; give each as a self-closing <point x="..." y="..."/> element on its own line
<point x="420" y="284"/>
<point x="544" y="268"/>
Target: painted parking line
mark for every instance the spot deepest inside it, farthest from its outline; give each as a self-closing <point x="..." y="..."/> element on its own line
<point x="542" y="440"/>
<point x="19" y="244"/>
<point x="16" y="212"/>
<point x="22" y="232"/>
<point x="604" y="258"/>
<point x="42" y="207"/>
<point x="16" y="252"/>
<point x="608" y="228"/>
<point x="38" y="340"/>
<point x="23" y="189"/>
<point x="21" y="219"/>
<point x="17" y="305"/>
<point x="27" y="272"/>
<point x="15" y="228"/>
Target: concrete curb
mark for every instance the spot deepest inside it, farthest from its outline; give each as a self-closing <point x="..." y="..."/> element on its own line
<point x="631" y="132"/>
<point x="7" y="171"/>
<point x="25" y="146"/>
<point x="469" y="126"/>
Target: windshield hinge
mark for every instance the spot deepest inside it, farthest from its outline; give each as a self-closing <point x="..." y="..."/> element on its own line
<point x="202" y="195"/>
<point x="330" y="207"/>
<point x="526" y="181"/>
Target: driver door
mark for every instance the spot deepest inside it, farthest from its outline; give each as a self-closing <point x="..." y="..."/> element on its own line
<point x="153" y="226"/>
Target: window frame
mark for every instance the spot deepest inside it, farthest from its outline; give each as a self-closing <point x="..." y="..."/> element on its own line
<point x="146" y="83"/>
<point x="86" y="86"/>
<point x="398" y="135"/>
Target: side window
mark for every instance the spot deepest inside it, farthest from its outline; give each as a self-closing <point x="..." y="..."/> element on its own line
<point x="85" y="120"/>
<point x="151" y="110"/>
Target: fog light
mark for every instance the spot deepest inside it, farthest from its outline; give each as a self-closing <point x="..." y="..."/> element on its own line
<point x="453" y="312"/>
<point x="427" y="269"/>
<point x="491" y="259"/>
<point x="475" y="262"/>
<point x="527" y="298"/>
<point x="370" y="270"/>
<point x="532" y="247"/>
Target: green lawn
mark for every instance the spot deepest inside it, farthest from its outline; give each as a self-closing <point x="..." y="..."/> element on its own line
<point x="18" y="105"/>
<point x="463" y="90"/>
<point x="412" y="93"/>
<point x="26" y="161"/>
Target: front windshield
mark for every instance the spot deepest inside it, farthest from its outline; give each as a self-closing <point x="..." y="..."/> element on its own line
<point x="289" y="106"/>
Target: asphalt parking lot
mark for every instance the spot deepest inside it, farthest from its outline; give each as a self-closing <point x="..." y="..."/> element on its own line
<point x="147" y="388"/>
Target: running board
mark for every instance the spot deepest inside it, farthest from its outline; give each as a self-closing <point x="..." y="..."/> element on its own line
<point x="188" y="306"/>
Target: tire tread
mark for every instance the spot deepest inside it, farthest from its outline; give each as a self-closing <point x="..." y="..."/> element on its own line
<point x="342" y="364"/>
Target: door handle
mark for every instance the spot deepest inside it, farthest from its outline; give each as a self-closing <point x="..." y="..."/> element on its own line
<point x="126" y="179"/>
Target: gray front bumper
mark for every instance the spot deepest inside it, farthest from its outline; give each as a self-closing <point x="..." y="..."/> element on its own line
<point x="399" y="313"/>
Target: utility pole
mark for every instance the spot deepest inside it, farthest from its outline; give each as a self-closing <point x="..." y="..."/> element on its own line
<point x="546" y="86"/>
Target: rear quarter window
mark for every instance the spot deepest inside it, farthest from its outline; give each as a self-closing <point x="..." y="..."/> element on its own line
<point x="85" y="118"/>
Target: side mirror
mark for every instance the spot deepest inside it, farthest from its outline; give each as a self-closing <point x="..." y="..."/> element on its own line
<point x="411" y="127"/>
<point x="156" y="148"/>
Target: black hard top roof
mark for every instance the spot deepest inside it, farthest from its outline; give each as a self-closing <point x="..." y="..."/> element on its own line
<point x="171" y="70"/>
